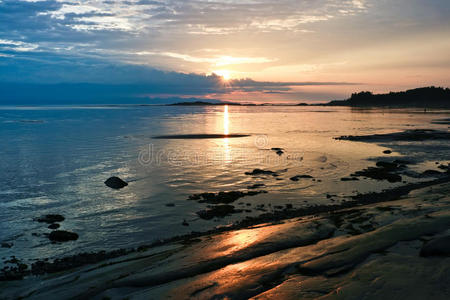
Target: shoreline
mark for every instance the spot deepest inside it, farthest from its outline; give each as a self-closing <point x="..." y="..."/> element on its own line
<point x="67" y="263"/>
<point x="265" y="260"/>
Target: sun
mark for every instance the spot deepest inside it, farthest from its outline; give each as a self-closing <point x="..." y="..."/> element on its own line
<point x="225" y="74"/>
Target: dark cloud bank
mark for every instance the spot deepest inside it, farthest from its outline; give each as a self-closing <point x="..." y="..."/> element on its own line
<point x="66" y="81"/>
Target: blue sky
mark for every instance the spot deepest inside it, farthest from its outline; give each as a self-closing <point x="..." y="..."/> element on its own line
<point x="306" y="50"/>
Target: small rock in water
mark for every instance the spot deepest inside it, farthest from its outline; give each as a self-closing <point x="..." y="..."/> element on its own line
<point x="349" y="179"/>
<point x="261" y="172"/>
<point x="387" y="151"/>
<point x="217" y="211"/>
<point x="7" y="245"/>
<point x="185" y="223"/>
<point x="115" y="183"/>
<point x="298" y="177"/>
<point x="437" y="247"/>
<point x="256" y="186"/>
<point x="50" y="219"/>
<point x="53" y="226"/>
<point x="431" y="173"/>
<point x="62" y="236"/>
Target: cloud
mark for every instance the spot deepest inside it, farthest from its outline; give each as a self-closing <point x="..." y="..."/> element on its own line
<point x="24" y="79"/>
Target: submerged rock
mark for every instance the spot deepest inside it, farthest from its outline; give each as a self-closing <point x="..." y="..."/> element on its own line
<point x="217" y="211"/>
<point x="431" y="173"/>
<point x="298" y="177"/>
<point x="407" y="135"/>
<point x="52" y="218"/>
<point x="256" y="186"/>
<point x="261" y="172"/>
<point x="349" y="179"/>
<point x="382" y="171"/>
<point x="62" y="236"/>
<point x="115" y="183"/>
<point x="437" y="247"/>
<point x="53" y="226"/>
<point x="222" y="197"/>
<point x="6" y="245"/>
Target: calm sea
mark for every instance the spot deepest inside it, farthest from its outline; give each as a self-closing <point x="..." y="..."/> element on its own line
<point x="55" y="160"/>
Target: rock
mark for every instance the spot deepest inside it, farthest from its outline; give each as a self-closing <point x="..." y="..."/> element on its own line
<point x="7" y="245"/>
<point x="387" y="151"/>
<point x="444" y="167"/>
<point x="217" y="211"/>
<point x="381" y="172"/>
<point x="298" y="177"/>
<point x="222" y="197"/>
<point x="277" y="149"/>
<point x="387" y="165"/>
<point x="279" y="152"/>
<point x="62" y="236"/>
<point x="349" y="179"/>
<point x="431" y="173"/>
<point x="436" y="247"/>
<point x="53" y="226"/>
<point x="170" y="204"/>
<point x="50" y="219"/>
<point x="185" y="223"/>
<point x="115" y="183"/>
<point x="261" y="172"/>
<point x="256" y="186"/>
<point x="407" y="135"/>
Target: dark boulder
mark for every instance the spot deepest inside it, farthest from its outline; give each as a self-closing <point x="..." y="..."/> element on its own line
<point x="387" y="151"/>
<point x="50" y="219"/>
<point x="115" y="183"/>
<point x="62" y="236"/>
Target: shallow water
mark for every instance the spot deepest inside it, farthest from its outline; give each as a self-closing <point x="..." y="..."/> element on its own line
<point x="55" y="160"/>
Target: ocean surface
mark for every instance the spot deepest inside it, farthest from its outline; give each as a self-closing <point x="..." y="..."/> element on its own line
<point x="54" y="160"/>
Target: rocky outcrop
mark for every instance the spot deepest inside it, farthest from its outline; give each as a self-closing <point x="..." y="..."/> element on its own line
<point x="115" y="183"/>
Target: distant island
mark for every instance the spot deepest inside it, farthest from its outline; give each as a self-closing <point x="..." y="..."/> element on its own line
<point x="427" y="97"/>
<point x="202" y="103"/>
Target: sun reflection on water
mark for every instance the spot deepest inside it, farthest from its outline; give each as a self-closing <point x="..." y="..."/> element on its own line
<point x="226" y="121"/>
<point x="226" y="131"/>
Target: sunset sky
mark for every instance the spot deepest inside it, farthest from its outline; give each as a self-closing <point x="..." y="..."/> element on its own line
<point x="264" y="51"/>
